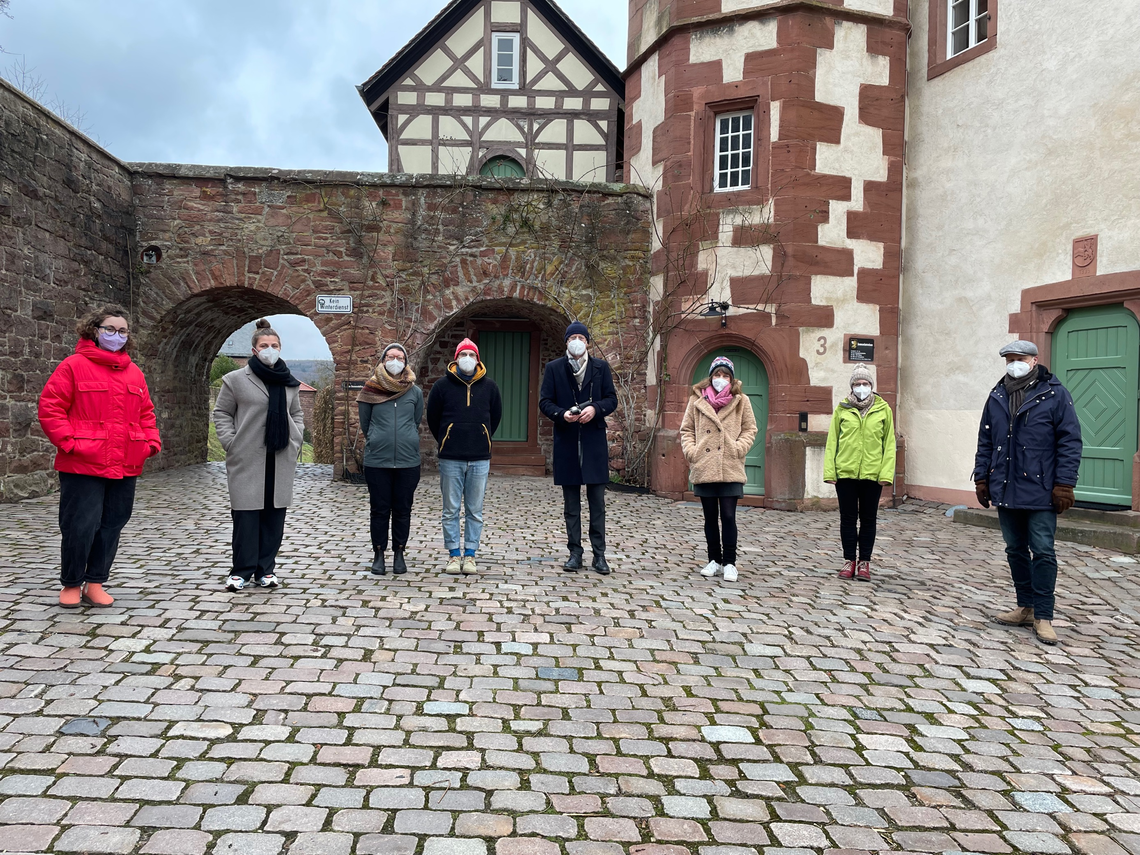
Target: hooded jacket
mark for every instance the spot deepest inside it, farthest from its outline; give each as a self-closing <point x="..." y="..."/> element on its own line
<point x="716" y="443"/>
<point x="861" y="446"/>
<point x="463" y="414"/>
<point x="1023" y="457"/>
<point x="96" y="409"/>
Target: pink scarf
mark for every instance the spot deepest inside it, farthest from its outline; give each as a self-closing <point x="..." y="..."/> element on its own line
<point x="718" y="399"/>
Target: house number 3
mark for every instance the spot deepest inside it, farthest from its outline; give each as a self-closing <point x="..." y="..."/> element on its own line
<point x="822" y="345"/>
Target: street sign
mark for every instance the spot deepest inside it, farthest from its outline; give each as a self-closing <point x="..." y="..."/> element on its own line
<point x="860" y="349"/>
<point x="334" y="304"/>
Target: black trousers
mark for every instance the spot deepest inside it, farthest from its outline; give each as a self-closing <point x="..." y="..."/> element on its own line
<point x="257" y="538"/>
<point x="572" y="511"/>
<point x="720" y="516"/>
<point x="390" y="494"/>
<point x="258" y="534"/>
<point x="92" y="513"/>
<point x="858" y="501"/>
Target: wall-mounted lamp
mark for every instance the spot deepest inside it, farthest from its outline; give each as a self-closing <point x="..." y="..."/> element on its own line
<point x="717" y="310"/>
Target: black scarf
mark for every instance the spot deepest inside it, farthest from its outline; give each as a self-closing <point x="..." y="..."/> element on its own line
<point x="275" y="378"/>
<point x="1016" y="388"/>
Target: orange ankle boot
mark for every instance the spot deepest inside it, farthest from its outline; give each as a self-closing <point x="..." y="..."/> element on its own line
<point x="69" y="597"/>
<point x="94" y="594"/>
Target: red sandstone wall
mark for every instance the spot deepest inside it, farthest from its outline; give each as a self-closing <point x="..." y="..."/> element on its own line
<point x="65" y="226"/>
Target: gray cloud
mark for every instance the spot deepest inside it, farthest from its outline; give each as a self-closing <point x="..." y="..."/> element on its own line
<point x="235" y="82"/>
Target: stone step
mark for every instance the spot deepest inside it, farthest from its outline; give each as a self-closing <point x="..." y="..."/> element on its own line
<point x="1129" y="519"/>
<point x="1071" y="529"/>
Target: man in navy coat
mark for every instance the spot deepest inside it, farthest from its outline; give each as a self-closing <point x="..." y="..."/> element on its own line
<point x="577" y="395"/>
<point x="1029" y="455"/>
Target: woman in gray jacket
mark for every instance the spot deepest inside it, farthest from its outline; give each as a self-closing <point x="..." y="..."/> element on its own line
<point x="260" y="426"/>
<point x="391" y="407"/>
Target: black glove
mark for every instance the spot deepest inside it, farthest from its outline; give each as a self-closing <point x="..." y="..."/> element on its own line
<point x="982" y="488"/>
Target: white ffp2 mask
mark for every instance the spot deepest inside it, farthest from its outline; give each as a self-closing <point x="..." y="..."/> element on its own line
<point x="576" y="348"/>
<point x="467" y="364"/>
<point x="269" y="355"/>
<point x="1017" y="369"/>
<point x="861" y="392"/>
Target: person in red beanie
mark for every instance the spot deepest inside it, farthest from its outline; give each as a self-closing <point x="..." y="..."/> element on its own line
<point x="463" y="412"/>
<point x="96" y="410"/>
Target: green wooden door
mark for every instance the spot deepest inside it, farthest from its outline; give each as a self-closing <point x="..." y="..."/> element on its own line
<point x="1096" y="354"/>
<point x="752" y="376"/>
<point x="507" y="357"/>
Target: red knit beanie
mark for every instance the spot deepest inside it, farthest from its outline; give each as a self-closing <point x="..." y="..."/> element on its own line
<point x="466" y="344"/>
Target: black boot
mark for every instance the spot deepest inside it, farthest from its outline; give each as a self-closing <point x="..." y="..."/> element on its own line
<point x="574" y="562"/>
<point x="398" y="564"/>
<point x="600" y="565"/>
<point x="378" y="568"/>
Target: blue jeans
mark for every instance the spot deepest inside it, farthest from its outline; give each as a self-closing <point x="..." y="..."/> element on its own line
<point x="466" y="480"/>
<point x="1034" y="577"/>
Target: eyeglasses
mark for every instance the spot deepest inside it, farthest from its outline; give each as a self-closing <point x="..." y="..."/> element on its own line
<point x="115" y="331"/>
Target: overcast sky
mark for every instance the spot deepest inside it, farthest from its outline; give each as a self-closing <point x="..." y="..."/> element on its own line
<point x="235" y="82"/>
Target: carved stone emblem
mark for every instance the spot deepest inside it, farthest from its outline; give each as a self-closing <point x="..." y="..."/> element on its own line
<point x="1084" y="256"/>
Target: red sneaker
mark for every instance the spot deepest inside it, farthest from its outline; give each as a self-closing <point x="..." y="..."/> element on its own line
<point x="848" y="571"/>
<point x="863" y="571"/>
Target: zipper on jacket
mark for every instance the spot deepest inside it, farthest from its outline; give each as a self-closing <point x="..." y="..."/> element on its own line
<point x="446" y="435"/>
<point x="395" y="433"/>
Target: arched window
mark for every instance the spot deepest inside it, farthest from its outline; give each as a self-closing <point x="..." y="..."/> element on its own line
<point x="502" y="166"/>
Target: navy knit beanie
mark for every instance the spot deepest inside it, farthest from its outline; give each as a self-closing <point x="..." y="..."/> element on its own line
<point x="577" y="328"/>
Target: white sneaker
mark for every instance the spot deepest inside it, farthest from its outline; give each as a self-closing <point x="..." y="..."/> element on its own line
<point x="235" y="584"/>
<point x="730" y="572"/>
<point x="269" y="580"/>
<point x="711" y="569"/>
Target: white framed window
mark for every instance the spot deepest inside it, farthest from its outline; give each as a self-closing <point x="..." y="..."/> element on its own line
<point x="733" y="167"/>
<point x="967" y="25"/>
<point x="505" y="60"/>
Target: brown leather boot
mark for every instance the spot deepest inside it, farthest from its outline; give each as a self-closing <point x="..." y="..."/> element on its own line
<point x="69" y="597"/>
<point x="94" y="594"/>
<point x="1021" y="616"/>
<point x="1044" y="631"/>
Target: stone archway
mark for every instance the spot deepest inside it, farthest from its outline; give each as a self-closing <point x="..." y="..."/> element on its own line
<point x="176" y="350"/>
<point x="540" y="330"/>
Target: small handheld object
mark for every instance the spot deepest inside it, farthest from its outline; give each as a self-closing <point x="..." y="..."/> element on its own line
<point x="575" y="410"/>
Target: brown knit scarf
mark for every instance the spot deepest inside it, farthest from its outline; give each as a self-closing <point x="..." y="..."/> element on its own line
<point x="1015" y="389"/>
<point x="382" y="386"/>
<point x="864" y="405"/>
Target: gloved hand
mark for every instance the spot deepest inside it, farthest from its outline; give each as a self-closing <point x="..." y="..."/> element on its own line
<point x="1063" y="498"/>
<point x="982" y="488"/>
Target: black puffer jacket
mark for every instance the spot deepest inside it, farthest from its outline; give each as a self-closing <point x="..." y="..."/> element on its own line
<point x="464" y="414"/>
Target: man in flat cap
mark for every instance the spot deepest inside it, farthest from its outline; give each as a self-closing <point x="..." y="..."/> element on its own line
<point x="1029" y="454"/>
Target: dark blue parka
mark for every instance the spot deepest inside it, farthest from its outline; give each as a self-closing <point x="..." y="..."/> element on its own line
<point x="1042" y="447"/>
<point x="581" y="452"/>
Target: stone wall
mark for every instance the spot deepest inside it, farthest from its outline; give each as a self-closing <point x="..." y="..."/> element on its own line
<point x="65" y="248"/>
<point x="421" y="257"/>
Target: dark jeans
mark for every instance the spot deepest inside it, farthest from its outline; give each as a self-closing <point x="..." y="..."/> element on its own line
<point x="724" y="507"/>
<point x="1034" y="576"/>
<point x="858" y="501"/>
<point x="92" y="513"/>
<point x="390" y="494"/>
<point x="257" y="538"/>
<point x="572" y="511"/>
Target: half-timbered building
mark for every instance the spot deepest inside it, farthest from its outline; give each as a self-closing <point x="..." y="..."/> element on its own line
<point x="511" y="88"/>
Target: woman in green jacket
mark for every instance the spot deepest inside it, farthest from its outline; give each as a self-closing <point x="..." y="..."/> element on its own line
<point x="860" y="461"/>
<point x="391" y="406"/>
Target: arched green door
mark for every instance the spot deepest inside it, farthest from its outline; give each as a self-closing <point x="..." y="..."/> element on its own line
<point x="752" y="376"/>
<point x="1096" y="355"/>
<point x="502" y="167"/>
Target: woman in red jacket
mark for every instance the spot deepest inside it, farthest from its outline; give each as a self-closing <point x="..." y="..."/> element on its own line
<point x="97" y="411"/>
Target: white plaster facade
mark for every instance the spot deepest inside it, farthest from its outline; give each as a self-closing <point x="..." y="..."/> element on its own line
<point x="1010" y="157"/>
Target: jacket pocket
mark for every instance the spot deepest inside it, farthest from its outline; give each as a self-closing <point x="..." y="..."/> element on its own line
<point x="446" y="434"/>
<point x="133" y="402"/>
<point x="487" y="434"/>
<point x="138" y="448"/>
<point x="90" y="442"/>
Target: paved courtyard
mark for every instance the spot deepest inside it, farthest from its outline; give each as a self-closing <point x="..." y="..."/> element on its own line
<point x="526" y="710"/>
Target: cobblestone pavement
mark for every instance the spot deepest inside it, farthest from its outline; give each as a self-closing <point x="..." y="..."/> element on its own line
<point x="526" y="710"/>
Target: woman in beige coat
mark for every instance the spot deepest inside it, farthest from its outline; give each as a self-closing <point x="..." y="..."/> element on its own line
<point x="716" y="435"/>
<point x="260" y="426"/>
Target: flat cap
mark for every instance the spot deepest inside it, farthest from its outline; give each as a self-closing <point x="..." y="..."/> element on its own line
<point x="1021" y="347"/>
